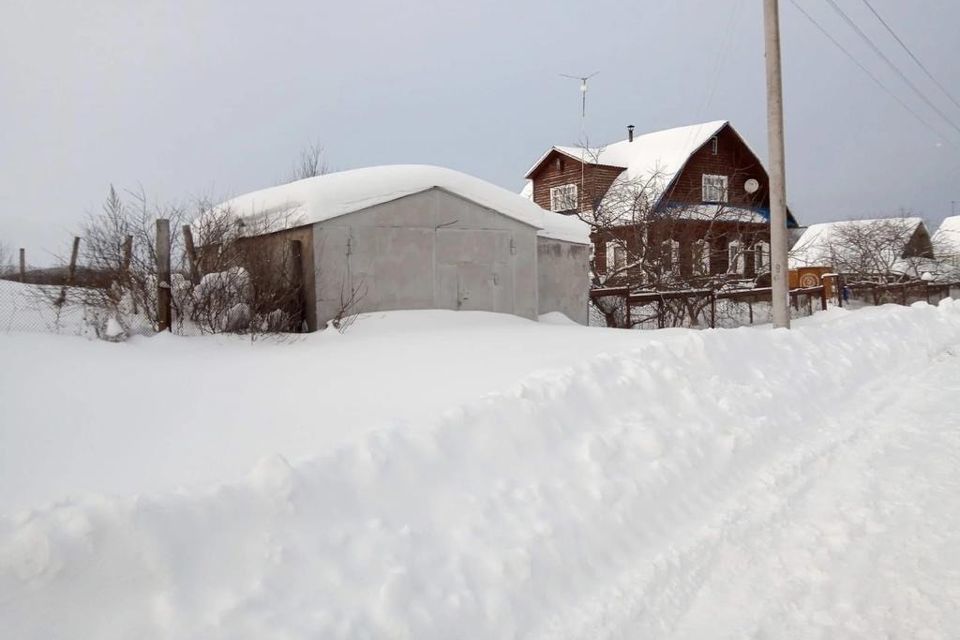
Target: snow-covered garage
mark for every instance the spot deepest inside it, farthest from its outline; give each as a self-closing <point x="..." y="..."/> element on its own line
<point x="422" y="237"/>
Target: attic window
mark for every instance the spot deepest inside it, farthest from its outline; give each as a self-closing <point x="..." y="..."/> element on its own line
<point x="563" y="198"/>
<point x="713" y="145"/>
<point x="714" y="188"/>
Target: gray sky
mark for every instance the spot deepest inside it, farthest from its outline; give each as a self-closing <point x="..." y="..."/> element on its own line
<point x="217" y="97"/>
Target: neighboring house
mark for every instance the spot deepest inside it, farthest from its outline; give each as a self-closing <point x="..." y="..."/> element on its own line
<point x="881" y="248"/>
<point x="421" y="237"/>
<point x="946" y="246"/>
<point x="691" y="201"/>
<point x="946" y="241"/>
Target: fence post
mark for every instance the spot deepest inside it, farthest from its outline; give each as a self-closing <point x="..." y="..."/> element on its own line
<point x="750" y="307"/>
<point x="191" y="254"/>
<point x="71" y="271"/>
<point x="713" y="309"/>
<point x="823" y="297"/>
<point x="626" y="304"/>
<point x="127" y="255"/>
<point x="903" y="294"/>
<point x="296" y="254"/>
<point x="660" y="321"/>
<point x="926" y="290"/>
<point x="23" y="264"/>
<point x="163" y="275"/>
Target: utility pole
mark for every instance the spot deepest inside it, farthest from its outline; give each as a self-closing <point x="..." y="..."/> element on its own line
<point x="778" y="191"/>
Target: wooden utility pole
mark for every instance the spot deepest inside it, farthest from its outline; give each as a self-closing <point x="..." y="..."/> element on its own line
<point x="778" y="191"/>
<point x="163" y="275"/>
<point x="23" y="264"/>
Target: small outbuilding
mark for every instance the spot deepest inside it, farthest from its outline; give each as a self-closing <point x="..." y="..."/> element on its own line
<point x="421" y="237"/>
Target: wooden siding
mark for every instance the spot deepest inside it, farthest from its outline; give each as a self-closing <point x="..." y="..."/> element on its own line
<point x="558" y="169"/>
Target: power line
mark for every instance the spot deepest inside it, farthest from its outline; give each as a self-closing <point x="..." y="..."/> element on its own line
<point x="870" y="75"/>
<point x="910" y="53"/>
<point x="879" y="52"/>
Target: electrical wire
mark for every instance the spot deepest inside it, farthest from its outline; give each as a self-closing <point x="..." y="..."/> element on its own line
<point x="910" y="53"/>
<point x="866" y="71"/>
<point x="853" y="25"/>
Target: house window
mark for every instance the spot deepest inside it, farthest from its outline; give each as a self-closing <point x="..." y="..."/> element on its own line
<point x="714" y="145"/>
<point x="761" y="257"/>
<point x="616" y="257"/>
<point x="670" y="255"/>
<point x="701" y="257"/>
<point x="714" y="188"/>
<point x="734" y="257"/>
<point x="563" y="198"/>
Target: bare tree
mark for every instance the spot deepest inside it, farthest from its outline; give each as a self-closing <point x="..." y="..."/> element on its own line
<point x="647" y="243"/>
<point x="879" y="250"/>
<point x="311" y="163"/>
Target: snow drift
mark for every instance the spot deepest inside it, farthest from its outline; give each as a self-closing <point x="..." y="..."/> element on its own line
<point x="607" y="498"/>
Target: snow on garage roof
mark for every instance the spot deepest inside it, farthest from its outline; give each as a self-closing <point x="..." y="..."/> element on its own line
<point x="335" y="194"/>
<point x="817" y="244"/>
<point x="558" y="226"/>
<point x="946" y="240"/>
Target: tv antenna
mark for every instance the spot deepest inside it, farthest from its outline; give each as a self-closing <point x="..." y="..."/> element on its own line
<point x="583" y="90"/>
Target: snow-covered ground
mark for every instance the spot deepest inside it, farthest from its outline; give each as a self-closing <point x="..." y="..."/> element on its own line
<point x="447" y="475"/>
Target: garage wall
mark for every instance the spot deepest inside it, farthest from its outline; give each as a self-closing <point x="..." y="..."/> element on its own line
<point x="564" y="278"/>
<point x="429" y="250"/>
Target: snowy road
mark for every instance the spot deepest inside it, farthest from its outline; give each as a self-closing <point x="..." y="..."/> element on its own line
<point x="855" y="534"/>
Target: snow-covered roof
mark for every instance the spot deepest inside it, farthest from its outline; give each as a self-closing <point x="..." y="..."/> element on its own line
<point x="660" y="153"/>
<point x="818" y="244"/>
<point x="946" y="240"/>
<point x="652" y="159"/>
<point x="564" y="227"/>
<point x="329" y="196"/>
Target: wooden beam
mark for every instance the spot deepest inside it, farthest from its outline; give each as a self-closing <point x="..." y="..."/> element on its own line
<point x="164" y="318"/>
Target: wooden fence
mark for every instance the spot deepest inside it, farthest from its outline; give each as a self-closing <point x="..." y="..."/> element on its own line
<point x="699" y="307"/>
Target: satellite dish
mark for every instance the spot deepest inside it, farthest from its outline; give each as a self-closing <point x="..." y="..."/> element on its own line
<point x="751" y="185"/>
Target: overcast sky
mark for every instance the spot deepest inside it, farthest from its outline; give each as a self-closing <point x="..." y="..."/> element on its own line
<point x="217" y="97"/>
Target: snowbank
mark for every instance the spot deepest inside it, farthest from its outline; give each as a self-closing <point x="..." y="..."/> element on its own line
<point x="606" y="497"/>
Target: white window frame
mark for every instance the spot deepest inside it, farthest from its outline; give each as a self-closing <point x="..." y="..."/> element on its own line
<point x="565" y="194"/>
<point x="734" y="257"/>
<point x="701" y="257"/>
<point x="616" y="257"/>
<point x="761" y="257"/>
<point x="714" y="188"/>
<point x="671" y="248"/>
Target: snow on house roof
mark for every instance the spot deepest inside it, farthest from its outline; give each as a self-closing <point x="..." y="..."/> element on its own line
<point x="818" y="243"/>
<point x="946" y="239"/>
<point x="660" y="152"/>
<point x="329" y="196"/>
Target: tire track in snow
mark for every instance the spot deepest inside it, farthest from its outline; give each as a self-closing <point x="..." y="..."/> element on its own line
<point x="712" y="558"/>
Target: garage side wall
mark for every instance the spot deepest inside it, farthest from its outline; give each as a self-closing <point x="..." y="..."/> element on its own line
<point x="431" y="250"/>
<point x="564" y="276"/>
